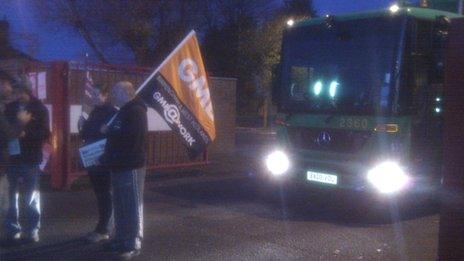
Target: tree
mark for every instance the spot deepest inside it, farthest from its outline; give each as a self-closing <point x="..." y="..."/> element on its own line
<point x="299" y="8"/>
<point x="226" y="42"/>
<point x="240" y="38"/>
<point x="244" y="42"/>
<point x="149" y="28"/>
<point x="266" y="46"/>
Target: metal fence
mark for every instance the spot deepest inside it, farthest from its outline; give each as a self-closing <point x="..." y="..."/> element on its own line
<point x="60" y="85"/>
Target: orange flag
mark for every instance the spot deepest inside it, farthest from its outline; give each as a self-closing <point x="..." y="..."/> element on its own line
<point x="179" y="90"/>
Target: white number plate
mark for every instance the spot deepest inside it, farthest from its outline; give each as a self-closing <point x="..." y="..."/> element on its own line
<point x="322" y="177"/>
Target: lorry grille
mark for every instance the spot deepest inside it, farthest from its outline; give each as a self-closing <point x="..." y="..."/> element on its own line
<point x="330" y="140"/>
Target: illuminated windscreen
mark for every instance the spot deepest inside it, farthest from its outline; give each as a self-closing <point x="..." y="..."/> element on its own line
<point x="348" y="68"/>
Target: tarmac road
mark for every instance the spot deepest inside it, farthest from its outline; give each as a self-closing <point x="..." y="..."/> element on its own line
<point x="224" y="218"/>
<point x="221" y="213"/>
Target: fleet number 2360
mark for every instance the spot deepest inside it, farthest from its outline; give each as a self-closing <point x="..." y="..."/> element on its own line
<point x="353" y="123"/>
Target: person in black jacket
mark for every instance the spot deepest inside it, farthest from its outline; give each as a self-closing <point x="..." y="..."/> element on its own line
<point x="25" y="156"/>
<point x="7" y="131"/>
<point x="125" y="157"/>
<point x="90" y="131"/>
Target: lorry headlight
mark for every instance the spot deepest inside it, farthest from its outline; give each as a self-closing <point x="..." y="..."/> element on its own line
<point x="277" y="163"/>
<point x="388" y="177"/>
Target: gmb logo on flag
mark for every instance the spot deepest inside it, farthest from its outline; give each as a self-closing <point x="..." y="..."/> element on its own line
<point x="188" y="72"/>
<point x="172" y="116"/>
<point x="171" y="112"/>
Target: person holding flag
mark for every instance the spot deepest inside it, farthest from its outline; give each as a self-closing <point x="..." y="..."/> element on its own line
<point x="90" y="131"/>
<point x="179" y="91"/>
<point x="125" y="158"/>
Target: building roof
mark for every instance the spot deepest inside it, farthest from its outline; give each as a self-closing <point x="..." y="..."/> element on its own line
<point x="419" y="13"/>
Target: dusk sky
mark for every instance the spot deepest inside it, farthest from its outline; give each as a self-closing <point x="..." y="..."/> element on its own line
<point x="64" y="44"/>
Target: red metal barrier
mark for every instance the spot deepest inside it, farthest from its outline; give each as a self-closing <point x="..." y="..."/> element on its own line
<point x="58" y="89"/>
<point x="65" y="88"/>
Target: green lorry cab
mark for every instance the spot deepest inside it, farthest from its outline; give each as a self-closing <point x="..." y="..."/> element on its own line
<point x="360" y="101"/>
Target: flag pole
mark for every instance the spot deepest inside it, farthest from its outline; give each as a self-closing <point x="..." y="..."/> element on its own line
<point x="192" y="33"/>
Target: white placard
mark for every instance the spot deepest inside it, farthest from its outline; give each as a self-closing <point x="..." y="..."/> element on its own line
<point x="91" y="153"/>
<point x="156" y="122"/>
<point x="75" y="112"/>
<point x="42" y="86"/>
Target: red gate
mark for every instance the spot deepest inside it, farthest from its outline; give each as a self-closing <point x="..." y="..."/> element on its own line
<point x="60" y="85"/>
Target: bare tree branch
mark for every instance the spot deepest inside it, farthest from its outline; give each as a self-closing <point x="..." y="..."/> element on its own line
<point x="80" y="26"/>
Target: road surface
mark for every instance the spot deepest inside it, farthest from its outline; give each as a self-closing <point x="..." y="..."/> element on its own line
<point x="225" y="218"/>
<point x="221" y="213"/>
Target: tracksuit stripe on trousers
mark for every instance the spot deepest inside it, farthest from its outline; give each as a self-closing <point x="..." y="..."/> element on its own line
<point x="128" y="207"/>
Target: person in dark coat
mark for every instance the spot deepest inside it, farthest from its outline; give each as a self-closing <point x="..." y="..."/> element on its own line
<point x="90" y="131"/>
<point x="25" y="156"/>
<point x="125" y="157"/>
<point x="7" y="131"/>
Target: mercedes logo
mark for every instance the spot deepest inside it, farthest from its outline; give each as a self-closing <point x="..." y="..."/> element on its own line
<point x="323" y="139"/>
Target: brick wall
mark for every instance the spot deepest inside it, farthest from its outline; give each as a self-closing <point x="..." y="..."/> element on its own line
<point x="223" y="95"/>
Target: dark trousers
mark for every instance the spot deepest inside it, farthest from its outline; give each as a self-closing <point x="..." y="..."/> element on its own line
<point x="128" y="207"/>
<point x="101" y="182"/>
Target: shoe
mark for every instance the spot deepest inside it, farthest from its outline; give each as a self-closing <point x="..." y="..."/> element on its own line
<point x="31" y="238"/>
<point x="14" y="237"/>
<point x="129" y="254"/>
<point x="95" y="237"/>
<point x="13" y="240"/>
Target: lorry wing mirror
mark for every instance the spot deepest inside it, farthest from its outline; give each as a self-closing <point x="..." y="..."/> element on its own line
<point x="442" y="27"/>
<point x="330" y="21"/>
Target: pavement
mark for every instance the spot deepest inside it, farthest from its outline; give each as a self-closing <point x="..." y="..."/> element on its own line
<point x="221" y="213"/>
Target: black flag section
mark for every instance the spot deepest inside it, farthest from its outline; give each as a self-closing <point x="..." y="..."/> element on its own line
<point x="160" y="95"/>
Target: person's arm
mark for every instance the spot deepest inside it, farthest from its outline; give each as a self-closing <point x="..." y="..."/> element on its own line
<point x="38" y="128"/>
<point x="80" y="126"/>
<point x="11" y="112"/>
<point x="7" y="130"/>
<point x="113" y="138"/>
<point x="44" y="120"/>
<point x="10" y="125"/>
<point x="86" y="129"/>
<point x="92" y="127"/>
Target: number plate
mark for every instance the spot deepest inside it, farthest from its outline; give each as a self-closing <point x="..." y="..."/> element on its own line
<point x="322" y="177"/>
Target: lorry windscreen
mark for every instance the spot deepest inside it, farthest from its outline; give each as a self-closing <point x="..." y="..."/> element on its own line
<point x="346" y="68"/>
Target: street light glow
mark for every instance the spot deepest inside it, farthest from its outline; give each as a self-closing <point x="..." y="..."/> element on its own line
<point x="394" y="8"/>
<point x="290" y="22"/>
